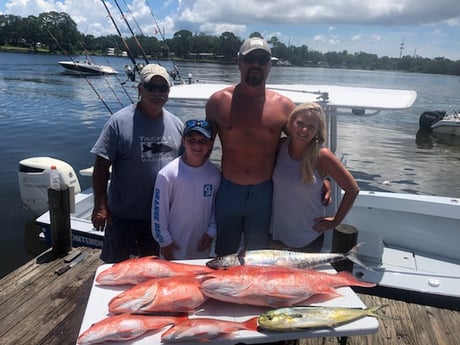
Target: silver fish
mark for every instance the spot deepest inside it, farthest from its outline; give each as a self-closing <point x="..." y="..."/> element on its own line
<point x="269" y="257"/>
<point x="296" y="318"/>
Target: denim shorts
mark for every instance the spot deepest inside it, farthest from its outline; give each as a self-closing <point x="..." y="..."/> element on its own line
<point x="242" y="213"/>
<point x="125" y="238"/>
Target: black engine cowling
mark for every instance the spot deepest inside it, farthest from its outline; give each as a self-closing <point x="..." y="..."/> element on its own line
<point x="428" y="118"/>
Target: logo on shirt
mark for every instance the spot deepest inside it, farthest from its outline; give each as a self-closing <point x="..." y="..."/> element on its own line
<point x="207" y="190"/>
<point x="155" y="149"/>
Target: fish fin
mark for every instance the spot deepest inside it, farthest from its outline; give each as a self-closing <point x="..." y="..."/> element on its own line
<point x="372" y="311"/>
<point x="251" y="324"/>
<point x="321" y="297"/>
<point x="242" y="256"/>
<point x="350" y="279"/>
<point x="352" y="255"/>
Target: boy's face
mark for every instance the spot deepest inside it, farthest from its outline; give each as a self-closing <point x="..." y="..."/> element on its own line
<point x="196" y="145"/>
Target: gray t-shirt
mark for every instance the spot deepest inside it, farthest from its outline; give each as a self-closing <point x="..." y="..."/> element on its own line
<point x="138" y="148"/>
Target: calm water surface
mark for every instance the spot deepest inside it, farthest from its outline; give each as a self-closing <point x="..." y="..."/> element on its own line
<point x="45" y="112"/>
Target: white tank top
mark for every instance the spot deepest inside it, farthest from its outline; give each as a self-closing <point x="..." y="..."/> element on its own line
<point x="295" y="203"/>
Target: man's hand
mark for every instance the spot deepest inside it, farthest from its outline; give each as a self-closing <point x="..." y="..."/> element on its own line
<point x="205" y="242"/>
<point x="168" y="251"/>
<point x="100" y="218"/>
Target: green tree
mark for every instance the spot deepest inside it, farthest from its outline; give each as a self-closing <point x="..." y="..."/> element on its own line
<point x="62" y="32"/>
<point x="279" y="49"/>
<point x="182" y="42"/>
<point x="229" y="44"/>
<point x="256" y="34"/>
<point x="9" y="25"/>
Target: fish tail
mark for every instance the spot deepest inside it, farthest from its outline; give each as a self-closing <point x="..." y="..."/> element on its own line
<point x="251" y="324"/>
<point x="372" y="311"/>
<point x="352" y="255"/>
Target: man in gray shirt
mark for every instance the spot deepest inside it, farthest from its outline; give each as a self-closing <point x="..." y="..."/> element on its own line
<point x="136" y="142"/>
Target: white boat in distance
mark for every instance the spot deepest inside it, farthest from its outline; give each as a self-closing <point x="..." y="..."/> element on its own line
<point x="448" y="124"/>
<point x="86" y="67"/>
<point x="411" y="241"/>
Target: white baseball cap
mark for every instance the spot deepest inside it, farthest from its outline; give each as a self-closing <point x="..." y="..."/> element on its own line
<point x="254" y="43"/>
<point x="151" y="70"/>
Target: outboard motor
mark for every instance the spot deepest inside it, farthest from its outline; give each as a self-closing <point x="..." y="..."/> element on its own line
<point x="428" y="118"/>
<point x="34" y="181"/>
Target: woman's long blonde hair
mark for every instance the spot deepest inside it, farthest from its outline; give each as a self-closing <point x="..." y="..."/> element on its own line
<point x="311" y="155"/>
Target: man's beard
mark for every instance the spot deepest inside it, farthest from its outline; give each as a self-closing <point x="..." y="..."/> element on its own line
<point x="254" y="76"/>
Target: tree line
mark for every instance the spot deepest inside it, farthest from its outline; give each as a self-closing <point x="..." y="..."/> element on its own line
<point x="56" y="33"/>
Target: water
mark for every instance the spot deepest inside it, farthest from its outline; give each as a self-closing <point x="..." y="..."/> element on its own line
<point x="45" y="112"/>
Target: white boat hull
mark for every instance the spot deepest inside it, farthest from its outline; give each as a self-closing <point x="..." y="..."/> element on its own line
<point x="411" y="241"/>
<point x="87" y="68"/>
<point x="447" y="127"/>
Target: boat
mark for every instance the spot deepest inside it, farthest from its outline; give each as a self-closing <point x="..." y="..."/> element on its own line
<point x="449" y="124"/>
<point x="411" y="241"/>
<point x="441" y="121"/>
<point x="87" y="67"/>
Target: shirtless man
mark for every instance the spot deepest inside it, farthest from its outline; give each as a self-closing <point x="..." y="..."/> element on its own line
<point x="249" y="120"/>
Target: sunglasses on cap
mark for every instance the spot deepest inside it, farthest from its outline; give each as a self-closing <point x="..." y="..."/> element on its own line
<point x="253" y="58"/>
<point x="198" y="123"/>
<point x="150" y="87"/>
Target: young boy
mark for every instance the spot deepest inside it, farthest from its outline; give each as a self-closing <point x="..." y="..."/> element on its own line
<point x="183" y="199"/>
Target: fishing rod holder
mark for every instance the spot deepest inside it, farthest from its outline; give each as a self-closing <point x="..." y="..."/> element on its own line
<point x="130" y="73"/>
<point x="323" y="96"/>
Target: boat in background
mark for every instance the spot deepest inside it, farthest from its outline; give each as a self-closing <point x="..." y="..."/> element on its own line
<point x="86" y="67"/>
<point x="411" y="241"/>
<point x="449" y="124"/>
<point x="441" y="121"/>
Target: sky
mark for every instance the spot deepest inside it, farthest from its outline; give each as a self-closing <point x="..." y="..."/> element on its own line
<point x="426" y="28"/>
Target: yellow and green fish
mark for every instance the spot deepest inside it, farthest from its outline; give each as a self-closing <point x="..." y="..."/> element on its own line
<point x="300" y="317"/>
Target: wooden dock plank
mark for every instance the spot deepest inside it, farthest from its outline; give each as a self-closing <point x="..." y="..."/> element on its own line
<point x="39" y="307"/>
<point x="42" y="307"/>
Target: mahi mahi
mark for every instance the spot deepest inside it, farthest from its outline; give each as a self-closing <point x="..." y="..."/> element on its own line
<point x="269" y="257"/>
<point x="299" y="317"/>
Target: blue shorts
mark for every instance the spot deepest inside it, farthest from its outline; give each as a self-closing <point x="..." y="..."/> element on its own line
<point x="127" y="237"/>
<point x="242" y="210"/>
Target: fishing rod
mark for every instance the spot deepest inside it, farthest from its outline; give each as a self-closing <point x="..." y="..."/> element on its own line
<point x="79" y="72"/>
<point x="132" y="16"/>
<point x="137" y="24"/>
<point x="122" y="86"/>
<point x="132" y="33"/>
<point x="129" y="72"/>
<point x="163" y="39"/>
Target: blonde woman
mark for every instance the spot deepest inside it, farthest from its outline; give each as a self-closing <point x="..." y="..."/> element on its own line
<point x="303" y="163"/>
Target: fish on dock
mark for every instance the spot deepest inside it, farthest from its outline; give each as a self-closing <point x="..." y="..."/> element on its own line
<point x="274" y="286"/>
<point x="177" y="294"/>
<point x="125" y="327"/>
<point x="206" y="329"/>
<point x="138" y="270"/>
<point x="287" y="258"/>
<point x="303" y="317"/>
